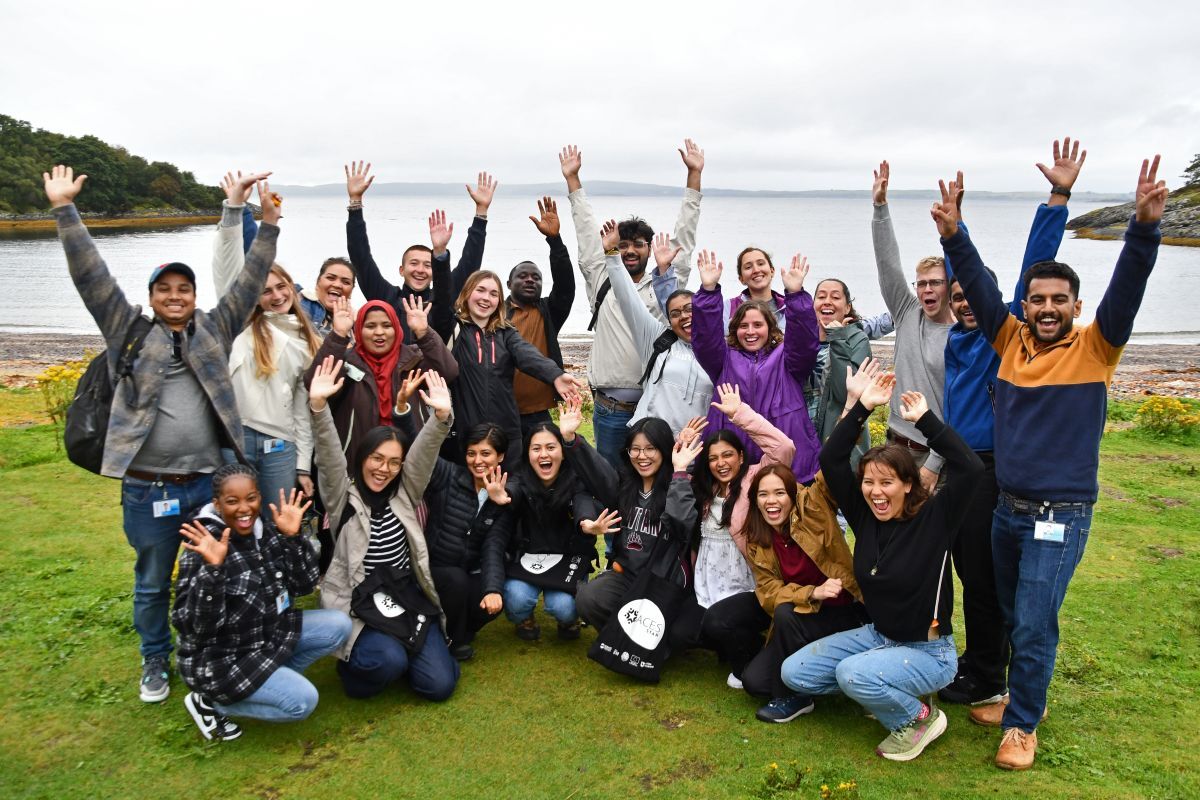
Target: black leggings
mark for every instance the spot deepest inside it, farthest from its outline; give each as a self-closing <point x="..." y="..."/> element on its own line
<point x="461" y="593"/>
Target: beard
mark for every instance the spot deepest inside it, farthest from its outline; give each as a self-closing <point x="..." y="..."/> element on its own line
<point x="1064" y="328"/>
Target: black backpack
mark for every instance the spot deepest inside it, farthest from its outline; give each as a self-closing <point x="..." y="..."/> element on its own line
<point x="86" y="425"/>
<point x="662" y="344"/>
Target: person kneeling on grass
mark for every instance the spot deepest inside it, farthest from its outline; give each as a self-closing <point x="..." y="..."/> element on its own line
<point x="380" y="568"/>
<point x="903" y="537"/>
<point x="243" y="644"/>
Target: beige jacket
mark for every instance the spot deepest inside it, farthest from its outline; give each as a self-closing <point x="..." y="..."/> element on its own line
<point x="337" y="489"/>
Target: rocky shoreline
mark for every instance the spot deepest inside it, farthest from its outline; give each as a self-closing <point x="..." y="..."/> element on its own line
<point x="17" y="223"/>
<point x="1145" y="369"/>
<point x="1180" y="223"/>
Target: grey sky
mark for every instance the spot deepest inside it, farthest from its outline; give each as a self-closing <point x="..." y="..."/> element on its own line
<point x="780" y="95"/>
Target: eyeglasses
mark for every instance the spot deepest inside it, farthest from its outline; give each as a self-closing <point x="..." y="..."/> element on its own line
<point x="932" y="283"/>
<point x="376" y="461"/>
<point x="649" y="450"/>
<point x="636" y="244"/>
<point x="676" y="313"/>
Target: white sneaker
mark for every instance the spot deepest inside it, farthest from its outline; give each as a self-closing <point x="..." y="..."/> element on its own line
<point x="733" y="681"/>
<point x="212" y="723"/>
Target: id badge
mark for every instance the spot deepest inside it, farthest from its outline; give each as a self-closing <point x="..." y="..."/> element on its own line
<point x="354" y="373"/>
<point x="1049" y="532"/>
<point x="273" y="446"/>
<point x="282" y="602"/>
<point x="166" y="508"/>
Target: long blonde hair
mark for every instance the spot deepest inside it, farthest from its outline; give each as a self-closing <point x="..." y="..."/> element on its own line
<point x="499" y="318"/>
<point x="264" y="356"/>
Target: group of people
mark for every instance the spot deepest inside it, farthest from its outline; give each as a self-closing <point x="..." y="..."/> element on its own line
<point x="731" y="453"/>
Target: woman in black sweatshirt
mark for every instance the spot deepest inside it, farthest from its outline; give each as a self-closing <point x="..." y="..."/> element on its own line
<point x="901" y="562"/>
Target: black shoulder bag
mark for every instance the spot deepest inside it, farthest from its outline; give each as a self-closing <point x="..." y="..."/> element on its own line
<point x="391" y="601"/>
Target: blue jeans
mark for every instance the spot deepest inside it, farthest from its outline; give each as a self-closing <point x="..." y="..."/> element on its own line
<point x="275" y="470"/>
<point x="378" y="659"/>
<point x="520" y="598"/>
<point x="885" y="677"/>
<point x="1031" y="582"/>
<point x="156" y="542"/>
<point x="610" y="427"/>
<point x="287" y="696"/>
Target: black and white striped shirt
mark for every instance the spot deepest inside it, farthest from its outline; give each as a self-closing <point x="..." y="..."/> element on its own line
<point x="388" y="545"/>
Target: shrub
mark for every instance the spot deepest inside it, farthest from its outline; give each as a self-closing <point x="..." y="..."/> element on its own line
<point x="1167" y="417"/>
<point x="57" y="385"/>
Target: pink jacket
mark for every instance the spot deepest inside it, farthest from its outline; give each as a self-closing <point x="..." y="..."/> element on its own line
<point x="776" y="448"/>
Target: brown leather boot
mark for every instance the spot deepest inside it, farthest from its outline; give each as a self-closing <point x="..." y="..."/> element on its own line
<point x="1017" y="749"/>
<point x="991" y="715"/>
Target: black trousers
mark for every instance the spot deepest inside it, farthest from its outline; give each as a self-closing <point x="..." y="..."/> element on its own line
<point x="460" y="593"/>
<point x="987" y="647"/>
<point x="791" y="632"/>
<point x="735" y="628"/>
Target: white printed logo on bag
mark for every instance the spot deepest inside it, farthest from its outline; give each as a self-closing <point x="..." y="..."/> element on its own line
<point x="538" y="563"/>
<point x="386" y="605"/>
<point x="642" y="622"/>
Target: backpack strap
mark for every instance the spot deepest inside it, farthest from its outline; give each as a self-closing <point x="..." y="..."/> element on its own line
<point x="600" y="295"/>
<point x="135" y="337"/>
<point x="665" y="341"/>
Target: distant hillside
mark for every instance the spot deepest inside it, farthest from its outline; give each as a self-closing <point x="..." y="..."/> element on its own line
<point x="631" y="189"/>
<point x="118" y="181"/>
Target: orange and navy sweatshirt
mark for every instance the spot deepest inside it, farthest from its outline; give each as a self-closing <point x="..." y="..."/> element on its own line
<point x="1051" y="404"/>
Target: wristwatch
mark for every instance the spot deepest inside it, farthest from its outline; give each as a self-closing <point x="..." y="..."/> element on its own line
<point x="1064" y="191"/>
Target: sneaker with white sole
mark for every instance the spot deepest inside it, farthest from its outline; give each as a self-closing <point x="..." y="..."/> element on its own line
<point x="734" y="682"/>
<point x="156" y="679"/>
<point x="785" y="709"/>
<point x="911" y="740"/>
<point x="212" y="723"/>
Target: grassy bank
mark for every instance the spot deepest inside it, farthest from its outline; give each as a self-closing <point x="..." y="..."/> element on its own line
<point x="540" y="720"/>
<point x="16" y="227"/>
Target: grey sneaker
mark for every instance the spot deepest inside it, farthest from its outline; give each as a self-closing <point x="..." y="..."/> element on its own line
<point x="156" y="684"/>
<point x="908" y="742"/>
<point x="212" y="723"/>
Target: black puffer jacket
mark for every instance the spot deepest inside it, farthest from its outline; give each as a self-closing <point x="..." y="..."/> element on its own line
<point x="460" y="536"/>
<point x="539" y="526"/>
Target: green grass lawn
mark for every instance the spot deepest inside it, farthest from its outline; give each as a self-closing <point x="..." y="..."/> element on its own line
<point x="539" y="720"/>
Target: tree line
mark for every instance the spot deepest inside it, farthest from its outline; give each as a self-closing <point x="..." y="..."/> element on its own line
<point x="118" y="181"/>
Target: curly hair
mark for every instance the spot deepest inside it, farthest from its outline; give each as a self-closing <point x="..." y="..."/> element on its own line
<point x="774" y="335"/>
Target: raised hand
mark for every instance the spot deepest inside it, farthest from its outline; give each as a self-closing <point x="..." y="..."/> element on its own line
<point x="566" y="385"/>
<point x="828" y="590"/>
<point x="485" y="189"/>
<point x="237" y="189"/>
<point x="913" y="406"/>
<point x="343" y="316"/>
<point x="438" y="396"/>
<point x="271" y="203"/>
<point x="684" y="454"/>
<point x="326" y="382"/>
<point x="693" y="429"/>
<point x="879" y="187"/>
<point x="1151" y="193"/>
<point x="945" y="213"/>
<point x="730" y="395"/>
<point x="549" y="224"/>
<point x="856" y="382"/>
<point x="793" y="276"/>
<point x="879" y="391"/>
<point x="693" y="159"/>
<point x="709" y="268"/>
<point x="570" y="160"/>
<point x="439" y="231"/>
<point x="358" y="180"/>
<point x="664" y="251"/>
<point x="609" y="236"/>
<point x="199" y="540"/>
<point x="495" y="481"/>
<point x="408" y="387"/>
<point x="570" y="417"/>
<point x="289" y="513"/>
<point x="608" y="522"/>
<point x="1068" y="160"/>
<point x="416" y="313"/>
<point x="62" y="186"/>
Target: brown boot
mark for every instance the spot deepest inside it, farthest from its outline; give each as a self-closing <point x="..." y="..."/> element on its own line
<point x="1017" y="749"/>
<point x="991" y="715"/>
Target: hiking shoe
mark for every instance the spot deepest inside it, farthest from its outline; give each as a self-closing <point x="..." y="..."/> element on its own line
<point x="156" y="680"/>
<point x="908" y="742"/>
<point x="734" y="682"/>
<point x="968" y="691"/>
<point x="569" y="632"/>
<point x="1017" y="749"/>
<point x="990" y="716"/>
<point x="785" y="709"/>
<point x="462" y="652"/>
<point x="528" y="630"/>
<point x="212" y="723"/>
